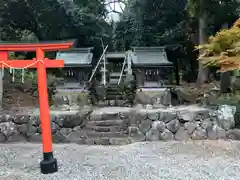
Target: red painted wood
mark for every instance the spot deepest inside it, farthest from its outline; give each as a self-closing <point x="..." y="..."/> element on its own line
<point x="25" y="63"/>
<point x="43" y="103"/>
<point x="40" y="49"/>
<point x="34" y="46"/>
<point x="3" y="55"/>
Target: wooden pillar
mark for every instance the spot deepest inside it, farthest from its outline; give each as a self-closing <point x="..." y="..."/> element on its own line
<point x="79" y="75"/>
<point x="176" y="68"/>
<point x="3" y="57"/>
<point x="140" y="77"/>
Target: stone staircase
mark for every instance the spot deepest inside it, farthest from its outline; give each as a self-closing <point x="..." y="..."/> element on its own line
<point x="113" y="91"/>
<point x="106" y="129"/>
<point x="114" y="77"/>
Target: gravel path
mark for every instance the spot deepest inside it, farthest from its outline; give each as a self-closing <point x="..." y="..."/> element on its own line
<point x="208" y="160"/>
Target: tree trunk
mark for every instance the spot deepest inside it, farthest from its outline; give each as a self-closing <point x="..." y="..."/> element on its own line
<point x="203" y="72"/>
<point x="225" y="81"/>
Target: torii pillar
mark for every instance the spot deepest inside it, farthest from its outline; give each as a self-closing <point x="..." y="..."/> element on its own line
<point x="49" y="163"/>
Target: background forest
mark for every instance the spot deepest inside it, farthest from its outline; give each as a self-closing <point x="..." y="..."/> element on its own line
<point x="185" y="23"/>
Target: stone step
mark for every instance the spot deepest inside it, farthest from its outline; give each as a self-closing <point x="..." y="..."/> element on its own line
<point x="113" y="91"/>
<point x="93" y="134"/>
<point x="106" y="122"/>
<point x="107" y="141"/>
<point x="105" y="116"/>
<point x="120" y="141"/>
<point x="113" y="81"/>
<point x="103" y="128"/>
<point x="114" y="97"/>
<point x="113" y="87"/>
<point x="115" y="74"/>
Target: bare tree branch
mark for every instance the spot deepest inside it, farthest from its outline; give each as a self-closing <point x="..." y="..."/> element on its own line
<point x="122" y="9"/>
<point x="121" y="4"/>
<point x="115" y="1"/>
<point x="114" y="11"/>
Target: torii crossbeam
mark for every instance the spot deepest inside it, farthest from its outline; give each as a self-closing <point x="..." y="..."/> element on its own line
<point x="49" y="163"/>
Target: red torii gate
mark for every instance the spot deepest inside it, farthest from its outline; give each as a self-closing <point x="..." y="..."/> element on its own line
<point x="49" y="163"/>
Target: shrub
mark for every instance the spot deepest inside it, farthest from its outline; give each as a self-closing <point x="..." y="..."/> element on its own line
<point x="223" y="49"/>
<point x="128" y="91"/>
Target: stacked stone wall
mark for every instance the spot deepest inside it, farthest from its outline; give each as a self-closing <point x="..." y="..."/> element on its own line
<point x="134" y="124"/>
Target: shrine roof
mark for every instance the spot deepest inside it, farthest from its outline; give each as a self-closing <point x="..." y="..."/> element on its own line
<point x="76" y="57"/>
<point x="150" y="56"/>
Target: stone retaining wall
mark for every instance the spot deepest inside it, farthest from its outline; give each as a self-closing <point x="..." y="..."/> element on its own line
<point x="140" y="124"/>
<point x="182" y="123"/>
<point x="153" y="96"/>
<point x="79" y="97"/>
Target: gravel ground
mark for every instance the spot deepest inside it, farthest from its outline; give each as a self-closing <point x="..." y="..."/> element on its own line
<point x="202" y="160"/>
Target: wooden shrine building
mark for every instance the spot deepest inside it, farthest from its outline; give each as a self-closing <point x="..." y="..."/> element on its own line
<point x="77" y="66"/>
<point x="151" y="66"/>
<point x="148" y="65"/>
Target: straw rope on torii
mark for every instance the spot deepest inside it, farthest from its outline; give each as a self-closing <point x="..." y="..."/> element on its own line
<point x="13" y="68"/>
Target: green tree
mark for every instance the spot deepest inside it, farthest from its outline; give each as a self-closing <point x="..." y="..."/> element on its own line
<point x="54" y="20"/>
<point x="157" y="23"/>
<point x="48" y="20"/>
<point x="151" y="22"/>
<point x="202" y="9"/>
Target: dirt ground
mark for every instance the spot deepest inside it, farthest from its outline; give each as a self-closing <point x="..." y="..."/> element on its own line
<point x="195" y="89"/>
<point x="15" y="97"/>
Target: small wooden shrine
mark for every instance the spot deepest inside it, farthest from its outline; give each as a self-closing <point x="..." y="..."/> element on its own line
<point x="151" y="66"/>
<point x="148" y="65"/>
<point x="77" y="66"/>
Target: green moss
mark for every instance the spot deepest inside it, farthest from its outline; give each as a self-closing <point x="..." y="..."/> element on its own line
<point x="230" y="99"/>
